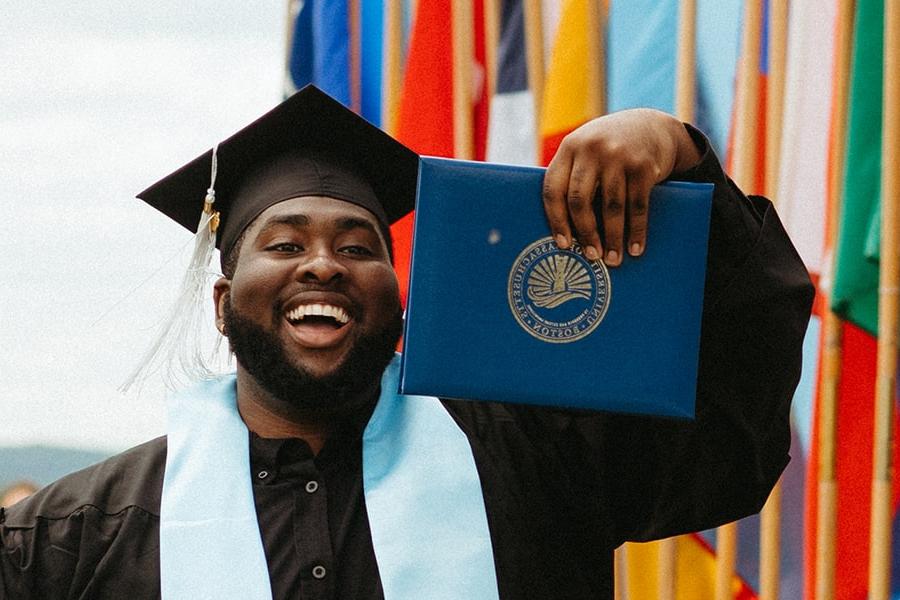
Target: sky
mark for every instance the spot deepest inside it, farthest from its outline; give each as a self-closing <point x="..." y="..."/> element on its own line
<point x="98" y="100"/>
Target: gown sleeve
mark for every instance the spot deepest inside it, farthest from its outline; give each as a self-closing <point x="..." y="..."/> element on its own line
<point x="663" y="477"/>
<point x="92" y="534"/>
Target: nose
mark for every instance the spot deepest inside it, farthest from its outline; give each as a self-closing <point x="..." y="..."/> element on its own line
<point x="322" y="267"/>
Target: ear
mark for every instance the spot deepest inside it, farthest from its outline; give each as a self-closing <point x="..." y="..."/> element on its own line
<point x="221" y="289"/>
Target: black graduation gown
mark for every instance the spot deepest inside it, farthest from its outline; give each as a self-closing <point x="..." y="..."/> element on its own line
<point x="562" y="489"/>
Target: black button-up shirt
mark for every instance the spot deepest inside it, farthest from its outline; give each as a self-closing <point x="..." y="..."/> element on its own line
<point x="313" y="518"/>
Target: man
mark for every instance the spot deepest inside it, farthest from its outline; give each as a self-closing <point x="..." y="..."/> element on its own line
<point x="341" y="488"/>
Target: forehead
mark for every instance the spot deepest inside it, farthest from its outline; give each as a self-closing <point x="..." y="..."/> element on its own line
<point x="314" y="210"/>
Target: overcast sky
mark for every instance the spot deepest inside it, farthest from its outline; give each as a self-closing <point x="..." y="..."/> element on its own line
<point x="99" y="99"/>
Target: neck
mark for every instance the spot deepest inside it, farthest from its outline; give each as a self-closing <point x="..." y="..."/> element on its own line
<point x="271" y="417"/>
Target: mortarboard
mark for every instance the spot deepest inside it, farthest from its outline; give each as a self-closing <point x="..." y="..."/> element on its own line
<point x="309" y="145"/>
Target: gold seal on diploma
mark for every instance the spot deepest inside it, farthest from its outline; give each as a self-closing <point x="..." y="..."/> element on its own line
<point x="557" y="296"/>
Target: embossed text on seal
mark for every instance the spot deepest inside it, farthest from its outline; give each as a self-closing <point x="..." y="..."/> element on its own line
<point x="557" y="296"/>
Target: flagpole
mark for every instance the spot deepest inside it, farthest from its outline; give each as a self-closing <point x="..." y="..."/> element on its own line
<point x="826" y="514"/>
<point x="534" y="55"/>
<point x="888" y="306"/>
<point x="685" y="69"/>
<point x="392" y="75"/>
<point x="685" y="99"/>
<point x="463" y="53"/>
<point x="668" y="568"/>
<point x="598" y="12"/>
<point x="293" y="9"/>
<point x="354" y="27"/>
<point x="777" y="54"/>
<point x="620" y="573"/>
<point x="491" y="41"/>
<point x="747" y="100"/>
<point x="745" y="167"/>
<point x="770" y="516"/>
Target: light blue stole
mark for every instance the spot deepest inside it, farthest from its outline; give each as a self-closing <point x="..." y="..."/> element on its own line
<point x="422" y="492"/>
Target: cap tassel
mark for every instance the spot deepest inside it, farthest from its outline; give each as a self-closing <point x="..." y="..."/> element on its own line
<point x="178" y="349"/>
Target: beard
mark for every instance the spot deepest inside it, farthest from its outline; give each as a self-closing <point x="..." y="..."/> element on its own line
<point x="351" y="386"/>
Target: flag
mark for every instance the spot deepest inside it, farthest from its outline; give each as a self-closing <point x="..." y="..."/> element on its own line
<point x="511" y="127"/>
<point x="853" y="472"/>
<point x="695" y="571"/>
<point x="572" y="92"/>
<point x="337" y="46"/>
<point x="802" y="201"/>
<point x="426" y="118"/>
<point x="802" y="182"/>
<point x="855" y="293"/>
<point x="299" y="63"/>
<point x="320" y="49"/>
<point x="855" y="297"/>
<point x="641" y="50"/>
<point x="640" y="54"/>
<point x="718" y="49"/>
<point x="371" y="52"/>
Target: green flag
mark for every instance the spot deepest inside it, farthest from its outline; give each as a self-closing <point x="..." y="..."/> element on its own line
<point x="873" y="237"/>
<point x="855" y="291"/>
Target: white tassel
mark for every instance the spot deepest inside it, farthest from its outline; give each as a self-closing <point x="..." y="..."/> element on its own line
<point x="178" y="349"/>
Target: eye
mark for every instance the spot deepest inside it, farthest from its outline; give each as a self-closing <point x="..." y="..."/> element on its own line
<point x="357" y="250"/>
<point x="285" y="247"/>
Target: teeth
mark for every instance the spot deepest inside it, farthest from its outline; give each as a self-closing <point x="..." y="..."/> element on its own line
<point x="319" y="310"/>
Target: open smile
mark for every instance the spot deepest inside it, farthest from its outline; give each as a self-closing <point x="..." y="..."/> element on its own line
<point x="319" y="325"/>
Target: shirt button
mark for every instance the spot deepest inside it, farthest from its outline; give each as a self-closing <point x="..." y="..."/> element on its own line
<point x="318" y="572"/>
<point x="312" y="486"/>
<point x="262" y="474"/>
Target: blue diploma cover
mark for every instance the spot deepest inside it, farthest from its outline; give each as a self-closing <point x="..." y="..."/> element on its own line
<point x="497" y="312"/>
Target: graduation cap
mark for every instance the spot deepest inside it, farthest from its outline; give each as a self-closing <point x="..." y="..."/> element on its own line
<point x="309" y="145"/>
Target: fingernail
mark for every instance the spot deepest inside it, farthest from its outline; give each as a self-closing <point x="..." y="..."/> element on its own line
<point x="612" y="257"/>
<point x="591" y="253"/>
<point x="561" y="241"/>
<point x="635" y="249"/>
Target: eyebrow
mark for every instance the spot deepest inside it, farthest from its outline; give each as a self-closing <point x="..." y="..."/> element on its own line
<point x="295" y="220"/>
<point x="301" y="220"/>
<point x="348" y="223"/>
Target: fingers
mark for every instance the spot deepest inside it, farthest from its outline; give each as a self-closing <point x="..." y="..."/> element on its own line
<point x="613" y="212"/>
<point x="580" y="201"/>
<point x="556" y="185"/>
<point x="604" y="171"/>
<point x="638" y="210"/>
<point x="568" y="195"/>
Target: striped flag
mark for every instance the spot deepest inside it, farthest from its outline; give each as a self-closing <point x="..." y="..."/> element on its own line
<point x="511" y="129"/>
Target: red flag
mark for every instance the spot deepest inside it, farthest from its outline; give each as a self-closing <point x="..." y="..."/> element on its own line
<point x="425" y="121"/>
